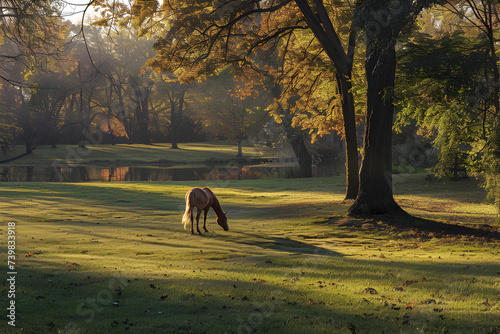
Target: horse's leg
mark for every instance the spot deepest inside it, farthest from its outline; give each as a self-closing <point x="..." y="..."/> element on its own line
<point x="205" y="220"/>
<point x="192" y="223"/>
<point x="197" y="221"/>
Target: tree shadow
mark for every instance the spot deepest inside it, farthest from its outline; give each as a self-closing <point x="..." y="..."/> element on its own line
<point x="409" y="222"/>
<point x="287" y="245"/>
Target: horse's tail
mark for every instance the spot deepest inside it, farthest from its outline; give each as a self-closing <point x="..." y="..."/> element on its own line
<point x="186" y="219"/>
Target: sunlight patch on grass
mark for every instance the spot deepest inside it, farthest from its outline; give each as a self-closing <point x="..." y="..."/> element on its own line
<point x="482" y="209"/>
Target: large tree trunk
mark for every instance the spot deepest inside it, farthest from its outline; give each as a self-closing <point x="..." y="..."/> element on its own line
<point x="141" y="99"/>
<point x="350" y="137"/>
<point x="176" y="116"/>
<point x="297" y="139"/>
<point x="241" y="138"/>
<point x="173" y="126"/>
<point x="320" y="24"/>
<point x="142" y="115"/>
<point x="375" y="178"/>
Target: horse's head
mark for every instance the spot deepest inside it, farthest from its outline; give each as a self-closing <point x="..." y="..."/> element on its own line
<point x="222" y="221"/>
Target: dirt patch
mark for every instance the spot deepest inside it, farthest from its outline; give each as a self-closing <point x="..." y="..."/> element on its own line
<point x="350" y="222"/>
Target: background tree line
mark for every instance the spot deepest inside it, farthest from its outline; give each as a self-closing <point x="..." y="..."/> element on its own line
<point x="97" y="78"/>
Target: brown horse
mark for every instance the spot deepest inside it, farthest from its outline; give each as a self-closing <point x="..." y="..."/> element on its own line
<point x="203" y="200"/>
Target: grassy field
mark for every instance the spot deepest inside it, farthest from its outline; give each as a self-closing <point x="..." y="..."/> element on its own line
<point x="114" y="258"/>
<point x="120" y="155"/>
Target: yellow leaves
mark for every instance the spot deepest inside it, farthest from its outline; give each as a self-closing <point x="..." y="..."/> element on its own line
<point x="101" y="22"/>
<point x="114" y="125"/>
<point x="144" y="8"/>
<point x="317" y="124"/>
<point x="247" y="90"/>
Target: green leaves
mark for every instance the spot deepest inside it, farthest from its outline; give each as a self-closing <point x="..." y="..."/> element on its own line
<point x="446" y="83"/>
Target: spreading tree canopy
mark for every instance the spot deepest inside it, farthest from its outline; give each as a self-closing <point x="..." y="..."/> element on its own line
<point x="201" y="36"/>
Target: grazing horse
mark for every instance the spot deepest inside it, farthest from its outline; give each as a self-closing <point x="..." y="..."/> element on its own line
<point x="203" y="200"/>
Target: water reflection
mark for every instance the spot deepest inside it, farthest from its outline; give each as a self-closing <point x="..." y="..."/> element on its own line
<point x="82" y="174"/>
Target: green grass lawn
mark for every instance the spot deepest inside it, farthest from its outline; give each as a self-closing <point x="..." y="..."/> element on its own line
<point x="114" y="258"/>
<point x="124" y="154"/>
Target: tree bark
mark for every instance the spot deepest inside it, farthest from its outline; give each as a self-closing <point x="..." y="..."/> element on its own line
<point x="297" y="139"/>
<point x="173" y="125"/>
<point x="142" y="115"/>
<point x="350" y="137"/>
<point x="141" y="100"/>
<point x="304" y="159"/>
<point x="320" y="24"/>
<point x="176" y="115"/>
<point x="240" y="146"/>
<point x="375" y="195"/>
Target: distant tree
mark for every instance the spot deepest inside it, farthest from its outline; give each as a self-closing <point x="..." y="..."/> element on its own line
<point x="27" y="30"/>
<point x="31" y="37"/>
<point x="8" y="123"/>
<point x="232" y="110"/>
<point x="174" y="93"/>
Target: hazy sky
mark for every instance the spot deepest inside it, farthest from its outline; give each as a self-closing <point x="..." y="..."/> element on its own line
<point x="73" y="9"/>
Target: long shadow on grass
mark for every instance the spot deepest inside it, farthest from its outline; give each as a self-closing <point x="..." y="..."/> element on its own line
<point x="418" y="224"/>
<point x="428" y="225"/>
<point x="285" y="245"/>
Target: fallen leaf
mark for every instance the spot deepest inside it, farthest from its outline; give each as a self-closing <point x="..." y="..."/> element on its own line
<point x="371" y="291"/>
<point x="406" y="283"/>
<point x="429" y="301"/>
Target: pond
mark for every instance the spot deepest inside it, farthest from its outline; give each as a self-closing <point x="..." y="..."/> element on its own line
<point x="86" y="173"/>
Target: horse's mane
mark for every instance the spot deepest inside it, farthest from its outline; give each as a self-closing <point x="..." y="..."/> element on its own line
<point x="215" y="202"/>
